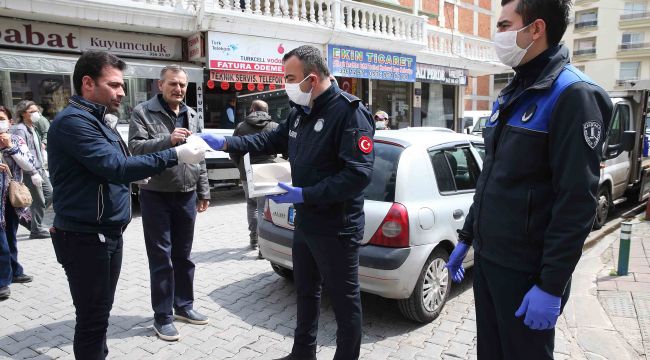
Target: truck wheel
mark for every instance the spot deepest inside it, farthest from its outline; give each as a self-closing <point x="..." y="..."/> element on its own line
<point x="431" y="291"/>
<point x="282" y="271"/>
<point x="604" y="204"/>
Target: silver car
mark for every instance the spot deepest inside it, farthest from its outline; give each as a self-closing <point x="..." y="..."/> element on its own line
<point x="420" y="192"/>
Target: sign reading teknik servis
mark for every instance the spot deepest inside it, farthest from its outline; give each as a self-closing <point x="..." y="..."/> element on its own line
<point x="45" y="36"/>
<point x="370" y="64"/>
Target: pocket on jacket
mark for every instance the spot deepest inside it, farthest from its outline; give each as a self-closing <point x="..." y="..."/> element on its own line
<point x="529" y="211"/>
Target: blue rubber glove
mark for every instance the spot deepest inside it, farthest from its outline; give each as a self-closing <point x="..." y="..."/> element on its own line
<point x="216" y="142"/>
<point x="293" y="195"/>
<point x="541" y="308"/>
<point x="455" y="263"/>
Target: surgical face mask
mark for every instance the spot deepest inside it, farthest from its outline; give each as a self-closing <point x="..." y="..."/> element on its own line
<point x="35" y="116"/>
<point x="505" y="44"/>
<point x="296" y="95"/>
<point x="4" y="126"/>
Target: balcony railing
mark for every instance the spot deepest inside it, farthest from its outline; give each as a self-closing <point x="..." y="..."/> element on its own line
<point x="586" y="24"/>
<point x="633" y="46"/>
<point x="584" y="52"/>
<point x="635" y="16"/>
<point x="346" y="15"/>
<point x="190" y="5"/>
<point x="443" y="42"/>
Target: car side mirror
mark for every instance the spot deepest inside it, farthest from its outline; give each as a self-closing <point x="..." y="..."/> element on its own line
<point x="629" y="139"/>
<point x="627" y="144"/>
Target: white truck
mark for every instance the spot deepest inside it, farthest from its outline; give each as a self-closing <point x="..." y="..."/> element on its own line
<point x="625" y="171"/>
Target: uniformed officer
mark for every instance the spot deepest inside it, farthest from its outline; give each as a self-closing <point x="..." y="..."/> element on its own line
<point x="535" y="200"/>
<point x="328" y="136"/>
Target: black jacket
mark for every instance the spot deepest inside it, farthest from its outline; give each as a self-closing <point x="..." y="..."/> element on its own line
<point x="255" y="122"/>
<point x="331" y="155"/>
<point x="91" y="168"/>
<point x="535" y="200"/>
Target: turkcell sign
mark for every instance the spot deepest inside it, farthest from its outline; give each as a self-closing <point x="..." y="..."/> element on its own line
<point x="358" y="63"/>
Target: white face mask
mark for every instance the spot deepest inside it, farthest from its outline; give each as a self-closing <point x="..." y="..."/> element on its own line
<point x="296" y="95"/>
<point x="35" y="116"/>
<point x="4" y="126"/>
<point x="505" y="44"/>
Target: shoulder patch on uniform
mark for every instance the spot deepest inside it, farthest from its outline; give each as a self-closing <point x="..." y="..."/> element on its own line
<point x="365" y="144"/>
<point x="592" y="130"/>
<point x="350" y="98"/>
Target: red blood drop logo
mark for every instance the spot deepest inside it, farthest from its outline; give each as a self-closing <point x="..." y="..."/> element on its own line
<point x="280" y="49"/>
<point x="239" y="86"/>
<point x="365" y="144"/>
<point x="251" y="87"/>
<point x="210" y="84"/>
<point x="225" y="85"/>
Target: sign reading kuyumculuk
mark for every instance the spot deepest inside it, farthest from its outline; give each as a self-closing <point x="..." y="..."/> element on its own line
<point x="353" y="62"/>
<point x="36" y="35"/>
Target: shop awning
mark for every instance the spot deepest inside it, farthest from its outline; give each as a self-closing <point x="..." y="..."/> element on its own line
<point x="33" y="61"/>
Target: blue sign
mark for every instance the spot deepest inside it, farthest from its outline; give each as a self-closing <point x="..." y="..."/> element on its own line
<point x="358" y="63"/>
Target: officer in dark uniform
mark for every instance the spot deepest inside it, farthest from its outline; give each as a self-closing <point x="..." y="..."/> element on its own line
<point x="328" y="136"/>
<point x="535" y="200"/>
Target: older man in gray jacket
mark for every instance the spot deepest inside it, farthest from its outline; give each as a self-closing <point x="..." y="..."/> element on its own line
<point x="170" y="202"/>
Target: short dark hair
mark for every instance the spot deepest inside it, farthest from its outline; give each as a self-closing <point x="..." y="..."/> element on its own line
<point x="6" y="111"/>
<point x="555" y="14"/>
<point x="92" y="63"/>
<point x="312" y="60"/>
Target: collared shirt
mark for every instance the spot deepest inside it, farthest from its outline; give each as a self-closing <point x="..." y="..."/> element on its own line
<point x="180" y="120"/>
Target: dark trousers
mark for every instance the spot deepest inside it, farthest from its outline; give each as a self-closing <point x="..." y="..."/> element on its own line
<point x="498" y="293"/>
<point x="93" y="268"/>
<point x="9" y="266"/>
<point x="168" y="221"/>
<point x="41" y="199"/>
<point x="334" y="261"/>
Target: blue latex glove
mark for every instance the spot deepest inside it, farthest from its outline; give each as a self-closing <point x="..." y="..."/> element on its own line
<point x="455" y="263"/>
<point x="541" y="308"/>
<point x="293" y="195"/>
<point x="216" y="142"/>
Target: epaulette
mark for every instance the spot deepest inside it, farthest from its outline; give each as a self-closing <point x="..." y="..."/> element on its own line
<point x="353" y="100"/>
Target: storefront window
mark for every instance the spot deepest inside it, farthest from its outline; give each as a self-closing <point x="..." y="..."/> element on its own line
<point x="438" y="105"/>
<point x="50" y="91"/>
<point x="393" y="98"/>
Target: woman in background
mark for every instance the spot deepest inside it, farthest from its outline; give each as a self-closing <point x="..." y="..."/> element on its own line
<point x="16" y="158"/>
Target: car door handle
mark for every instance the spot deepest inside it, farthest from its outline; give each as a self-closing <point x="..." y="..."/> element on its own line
<point x="458" y="214"/>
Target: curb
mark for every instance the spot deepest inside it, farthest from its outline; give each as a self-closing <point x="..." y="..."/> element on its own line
<point x="595" y="237"/>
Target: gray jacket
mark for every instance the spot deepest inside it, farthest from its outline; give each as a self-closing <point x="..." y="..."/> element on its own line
<point x="150" y="131"/>
<point x="21" y="130"/>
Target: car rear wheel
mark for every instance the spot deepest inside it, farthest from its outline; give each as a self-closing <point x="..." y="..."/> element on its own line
<point x="604" y="204"/>
<point x="282" y="271"/>
<point x="431" y="291"/>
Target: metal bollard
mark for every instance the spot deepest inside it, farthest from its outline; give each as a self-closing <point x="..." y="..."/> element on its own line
<point x="624" y="249"/>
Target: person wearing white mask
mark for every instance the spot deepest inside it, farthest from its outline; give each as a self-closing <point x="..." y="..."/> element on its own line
<point x="328" y="136"/>
<point x="15" y="161"/>
<point x="26" y="113"/>
<point x="535" y="200"/>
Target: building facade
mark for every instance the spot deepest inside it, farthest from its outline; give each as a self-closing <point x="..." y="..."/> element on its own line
<point x="610" y="40"/>
<point x="413" y="58"/>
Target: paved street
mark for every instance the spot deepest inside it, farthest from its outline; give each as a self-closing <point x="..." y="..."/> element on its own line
<point x="252" y="310"/>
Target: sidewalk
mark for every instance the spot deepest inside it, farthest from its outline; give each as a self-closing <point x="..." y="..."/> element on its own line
<point x="609" y="316"/>
<point x="626" y="299"/>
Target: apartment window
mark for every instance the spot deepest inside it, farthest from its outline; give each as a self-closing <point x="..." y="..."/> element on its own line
<point x="629" y="70"/>
<point x="584" y="46"/>
<point x="634" y="7"/>
<point x="632" y="38"/>
<point x="586" y="18"/>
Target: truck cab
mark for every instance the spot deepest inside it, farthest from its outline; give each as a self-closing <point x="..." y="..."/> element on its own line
<point x="625" y="171"/>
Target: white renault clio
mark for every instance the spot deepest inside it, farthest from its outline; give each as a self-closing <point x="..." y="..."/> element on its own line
<point x="422" y="187"/>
